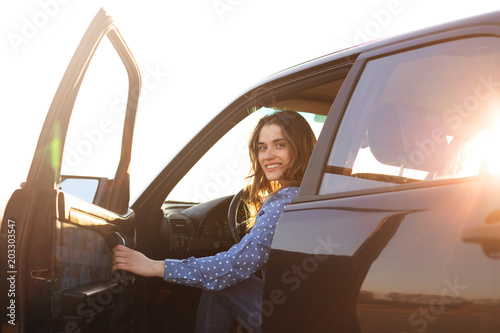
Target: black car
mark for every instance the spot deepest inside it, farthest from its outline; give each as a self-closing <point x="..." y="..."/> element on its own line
<point x="396" y="227"/>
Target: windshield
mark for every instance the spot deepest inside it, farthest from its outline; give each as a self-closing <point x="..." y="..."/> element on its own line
<point x="223" y="169"/>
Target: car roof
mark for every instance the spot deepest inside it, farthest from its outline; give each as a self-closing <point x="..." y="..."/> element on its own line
<point x="353" y="52"/>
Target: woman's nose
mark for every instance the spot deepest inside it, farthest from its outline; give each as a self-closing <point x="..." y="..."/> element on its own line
<point x="269" y="153"/>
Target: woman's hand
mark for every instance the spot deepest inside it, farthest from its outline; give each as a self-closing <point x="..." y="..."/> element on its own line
<point x="136" y="262"/>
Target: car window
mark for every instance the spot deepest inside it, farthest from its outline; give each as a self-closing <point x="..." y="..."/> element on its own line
<point x="94" y="138"/>
<point x="93" y="144"/>
<point x="419" y="116"/>
<point x="223" y="169"/>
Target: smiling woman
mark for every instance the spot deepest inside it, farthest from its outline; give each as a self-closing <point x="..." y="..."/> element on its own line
<point x="280" y="147"/>
<point x="273" y="151"/>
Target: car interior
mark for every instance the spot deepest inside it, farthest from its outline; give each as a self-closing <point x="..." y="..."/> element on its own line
<point x="408" y="124"/>
<point x="210" y="219"/>
<point x="203" y="214"/>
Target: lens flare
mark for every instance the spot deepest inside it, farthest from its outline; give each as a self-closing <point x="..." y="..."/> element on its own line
<point x="481" y="153"/>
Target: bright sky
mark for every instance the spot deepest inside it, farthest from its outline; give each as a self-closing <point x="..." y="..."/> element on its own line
<point x="198" y="56"/>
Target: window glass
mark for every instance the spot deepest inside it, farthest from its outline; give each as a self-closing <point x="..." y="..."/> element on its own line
<point x="418" y="116"/>
<point x="94" y="138"/>
<point x="223" y="169"/>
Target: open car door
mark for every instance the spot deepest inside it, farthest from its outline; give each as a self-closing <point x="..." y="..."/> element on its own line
<point x="58" y="231"/>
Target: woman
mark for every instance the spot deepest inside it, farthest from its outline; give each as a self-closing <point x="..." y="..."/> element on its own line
<point x="280" y="147"/>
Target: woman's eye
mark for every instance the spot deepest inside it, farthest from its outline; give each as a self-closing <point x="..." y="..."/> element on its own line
<point x="262" y="148"/>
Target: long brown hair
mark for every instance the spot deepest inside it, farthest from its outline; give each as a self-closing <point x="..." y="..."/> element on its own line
<point x="300" y="140"/>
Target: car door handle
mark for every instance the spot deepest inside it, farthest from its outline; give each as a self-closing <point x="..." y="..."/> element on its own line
<point x="113" y="239"/>
<point x="482" y="233"/>
<point x="488" y="232"/>
<point x="487" y="235"/>
<point x="50" y="275"/>
<point x="118" y="277"/>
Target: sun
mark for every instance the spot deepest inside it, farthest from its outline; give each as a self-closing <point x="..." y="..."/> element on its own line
<point x="482" y="152"/>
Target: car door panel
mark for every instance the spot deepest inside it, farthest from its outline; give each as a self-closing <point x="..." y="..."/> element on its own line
<point x="367" y="248"/>
<point x="405" y="270"/>
<point x="87" y="290"/>
<point x="85" y="239"/>
<point x="63" y="245"/>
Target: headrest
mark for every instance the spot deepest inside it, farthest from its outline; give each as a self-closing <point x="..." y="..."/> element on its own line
<point x="402" y="134"/>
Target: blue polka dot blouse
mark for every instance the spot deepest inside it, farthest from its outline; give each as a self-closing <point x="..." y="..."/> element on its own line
<point x="241" y="260"/>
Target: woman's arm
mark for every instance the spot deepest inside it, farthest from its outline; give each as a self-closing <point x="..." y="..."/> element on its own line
<point x="241" y="260"/>
<point x="225" y="268"/>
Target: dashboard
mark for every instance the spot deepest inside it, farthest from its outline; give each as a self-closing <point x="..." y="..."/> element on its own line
<point x="197" y="229"/>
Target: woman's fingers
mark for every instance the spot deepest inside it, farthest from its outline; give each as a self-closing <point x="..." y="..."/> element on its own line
<point x="121" y="250"/>
<point x="121" y="258"/>
<point x="135" y="262"/>
<point x="119" y="263"/>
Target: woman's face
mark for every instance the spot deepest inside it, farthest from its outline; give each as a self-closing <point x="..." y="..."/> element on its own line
<point x="273" y="152"/>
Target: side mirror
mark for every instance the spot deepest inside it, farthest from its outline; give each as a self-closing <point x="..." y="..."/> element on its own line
<point x="80" y="187"/>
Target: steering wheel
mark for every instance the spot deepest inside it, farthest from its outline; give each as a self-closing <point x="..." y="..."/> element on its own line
<point x="238" y="216"/>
